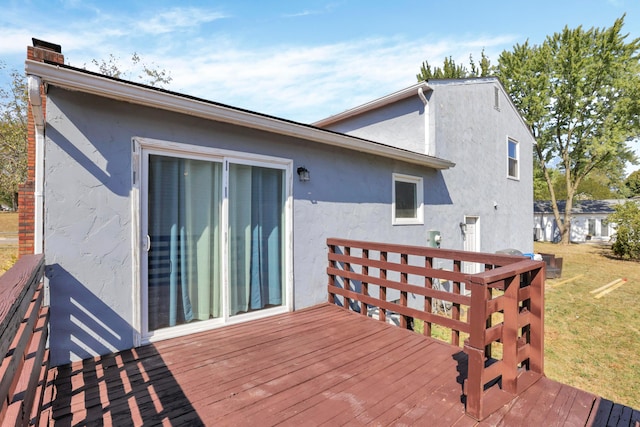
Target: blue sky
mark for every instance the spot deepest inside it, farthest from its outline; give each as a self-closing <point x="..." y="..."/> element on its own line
<point x="300" y="60"/>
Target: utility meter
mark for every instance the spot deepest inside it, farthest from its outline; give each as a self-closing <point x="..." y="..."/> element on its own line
<point x="434" y="239"/>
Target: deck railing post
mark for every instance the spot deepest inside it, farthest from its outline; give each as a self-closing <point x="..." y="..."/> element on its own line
<point x="332" y="277"/>
<point x="364" y="288"/>
<point x="404" y="260"/>
<point x="510" y="335"/>
<point x="474" y="348"/>
<point x="382" y="315"/>
<point x="455" y="307"/>
<point x="428" y="302"/>
<point x="345" y="280"/>
<point x="536" y="357"/>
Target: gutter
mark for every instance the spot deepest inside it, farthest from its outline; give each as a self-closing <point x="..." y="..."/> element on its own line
<point x="34" y="83"/>
<point x="83" y="81"/>
<point x="372" y="105"/>
<point x="429" y="148"/>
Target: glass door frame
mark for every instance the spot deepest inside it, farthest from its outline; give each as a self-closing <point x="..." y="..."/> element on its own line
<point x="142" y="149"/>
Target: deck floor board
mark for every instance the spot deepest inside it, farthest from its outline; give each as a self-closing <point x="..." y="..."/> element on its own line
<point x="316" y="366"/>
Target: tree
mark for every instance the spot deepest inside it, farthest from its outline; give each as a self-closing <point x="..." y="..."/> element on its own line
<point x="627" y="237"/>
<point x="599" y="186"/>
<point x="13" y="118"/>
<point x="13" y="138"/>
<point x="580" y="94"/>
<point x="450" y="70"/>
<point x="596" y="186"/>
<point x="150" y="75"/>
<point x="633" y="184"/>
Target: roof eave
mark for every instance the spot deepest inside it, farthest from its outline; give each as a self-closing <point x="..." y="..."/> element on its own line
<point x="121" y="90"/>
<point x="376" y="103"/>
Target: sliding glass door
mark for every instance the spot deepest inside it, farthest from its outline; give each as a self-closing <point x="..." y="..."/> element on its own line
<point x="256" y="227"/>
<point x="215" y="239"/>
<point x="184" y="275"/>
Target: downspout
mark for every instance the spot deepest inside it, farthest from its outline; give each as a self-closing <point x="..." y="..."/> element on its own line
<point x="429" y="150"/>
<point x="35" y="100"/>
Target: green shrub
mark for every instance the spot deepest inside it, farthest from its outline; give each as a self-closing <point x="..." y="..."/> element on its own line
<point x="627" y="237"/>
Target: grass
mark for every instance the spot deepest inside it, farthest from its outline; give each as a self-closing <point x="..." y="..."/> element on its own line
<point x="593" y="344"/>
<point x="8" y="228"/>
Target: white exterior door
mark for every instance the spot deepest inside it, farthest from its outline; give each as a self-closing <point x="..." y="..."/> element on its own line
<point x="472" y="242"/>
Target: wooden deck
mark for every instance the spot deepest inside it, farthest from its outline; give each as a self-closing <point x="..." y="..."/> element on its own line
<point x="322" y="365"/>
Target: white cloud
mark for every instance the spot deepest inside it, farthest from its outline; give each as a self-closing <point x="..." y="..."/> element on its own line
<point x="296" y="81"/>
<point x="14" y="41"/>
<point x="310" y="82"/>
<point x="303" y="13"/>
<point x="307" y="12"/>
<point x="177" y="19"/>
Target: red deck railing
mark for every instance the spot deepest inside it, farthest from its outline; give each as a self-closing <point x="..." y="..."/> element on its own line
<point x="501" y="310"/>
<point x="24" y="360"/>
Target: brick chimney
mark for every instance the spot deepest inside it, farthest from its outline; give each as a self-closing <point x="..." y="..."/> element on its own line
<point x="41" y="51"/>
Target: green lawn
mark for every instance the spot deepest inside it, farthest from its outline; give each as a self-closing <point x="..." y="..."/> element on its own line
<point x="8" y="229"/>
<point x="593" y="344"/>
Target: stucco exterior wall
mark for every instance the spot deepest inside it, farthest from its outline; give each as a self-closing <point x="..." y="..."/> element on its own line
<point x="471" y="132"/>
<point x="89" y="217"/>
<point x="402" y="125"/>
<point x="467" y="128"/>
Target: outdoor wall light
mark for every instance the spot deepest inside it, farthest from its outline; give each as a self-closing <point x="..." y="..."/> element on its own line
<point x="463" y="228"/>
<point x="303" y="174"/>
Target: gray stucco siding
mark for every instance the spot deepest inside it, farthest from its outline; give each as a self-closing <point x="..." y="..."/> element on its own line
<point x="473" y="134"/>
<point x="466" y="128"/>
<point x="89" y="213"/>
<point x="399" y="125"/>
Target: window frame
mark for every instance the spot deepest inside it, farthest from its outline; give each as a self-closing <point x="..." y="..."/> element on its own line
<point x="418" y="182"/>
<point x="516" y="159"/>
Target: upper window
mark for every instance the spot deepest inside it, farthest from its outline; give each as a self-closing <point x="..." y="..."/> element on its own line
<point x="407" y="200"/>
<point x="514" y="155"/>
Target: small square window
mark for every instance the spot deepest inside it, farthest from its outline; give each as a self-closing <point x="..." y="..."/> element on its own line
<point x="407" y="200"/>
<point x="513" y="154"/>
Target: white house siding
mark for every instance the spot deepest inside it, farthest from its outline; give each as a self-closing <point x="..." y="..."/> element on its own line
<point x="602" y="230"/>
<point x="589" y="220"/>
